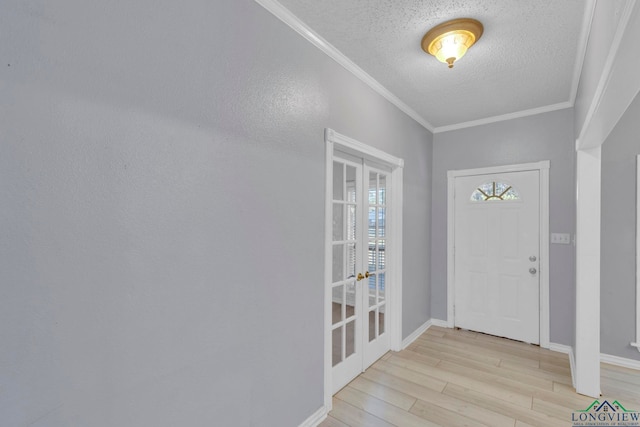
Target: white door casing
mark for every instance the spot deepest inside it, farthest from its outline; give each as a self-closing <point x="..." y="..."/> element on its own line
<point x="636" y="344"/>
<point x="509" y="269"/>
<point x="382" y="169"/>
<point x="497" y="254"/>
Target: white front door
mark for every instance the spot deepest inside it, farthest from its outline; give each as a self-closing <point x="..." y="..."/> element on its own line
<point x="359" y="271"/>
<point x="497" y="240"/>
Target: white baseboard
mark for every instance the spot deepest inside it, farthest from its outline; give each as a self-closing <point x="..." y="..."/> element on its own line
<point x="421" y="330"/>
<point x="440" y="323"/>
<point x="315" y="418"/>
<point x="566" y="349"/>
<point x="620" y="361"/>
<point x="415" y="334"/>
<point x="560" y="348"/>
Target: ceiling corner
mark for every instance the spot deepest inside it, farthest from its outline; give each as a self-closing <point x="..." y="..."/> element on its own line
<point x="286" y="16"/>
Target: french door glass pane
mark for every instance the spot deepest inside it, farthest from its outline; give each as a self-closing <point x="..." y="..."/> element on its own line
<point x="373" y="187"/>
<point x="350" y="342"/>
<point x="351" y="222"/>
<point x="381" y="320"/>
<point x="350" y="300"/>
<point x="337" y="303"/>
<point x="372" y="256"/>
<point x="338" y="221"/>
<point x="351" y="260"/>
<point x="372" y="325"/>
<point x="372" y="222"/>
<point x="351" y="184"/>
<point x="382" y="221"/>
<point x="336" y="338"/>
<point x="382" y="292"/>
<point x="372" y="290"/>
<point x="338" y="181"/>
<point x="382" y="189"/>
<point x="338" y="263"/>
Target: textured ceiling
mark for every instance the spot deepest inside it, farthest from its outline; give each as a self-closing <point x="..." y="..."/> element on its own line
<point x="526" y="58"/>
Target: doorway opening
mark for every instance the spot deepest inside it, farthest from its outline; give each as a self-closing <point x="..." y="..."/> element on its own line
<point x="498" y="251"/>
<point x="363" y="258"/>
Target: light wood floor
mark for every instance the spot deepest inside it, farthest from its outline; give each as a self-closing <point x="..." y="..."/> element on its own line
<point x="456" y="378"/>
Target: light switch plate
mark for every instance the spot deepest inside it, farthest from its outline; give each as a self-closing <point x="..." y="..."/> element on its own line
<point x="561" y="238"/>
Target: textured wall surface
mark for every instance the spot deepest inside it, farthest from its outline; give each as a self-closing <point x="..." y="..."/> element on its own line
<point x="546" y="136"/>
<point x="618" y="236"/>
<point x="162" y="215"/>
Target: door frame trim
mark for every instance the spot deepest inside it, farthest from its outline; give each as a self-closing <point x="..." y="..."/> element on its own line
<point x="334" y="139"/>
<point x="543" y="168"/>
<point x="636" y="344"/>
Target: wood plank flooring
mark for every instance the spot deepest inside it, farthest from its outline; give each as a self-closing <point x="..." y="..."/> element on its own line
<point x="454" y="378"/>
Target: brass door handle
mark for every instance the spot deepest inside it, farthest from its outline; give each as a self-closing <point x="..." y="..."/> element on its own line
<point x="366" y="275"/>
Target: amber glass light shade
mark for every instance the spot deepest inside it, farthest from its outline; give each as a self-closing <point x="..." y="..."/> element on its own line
<point x="449" y="41"/>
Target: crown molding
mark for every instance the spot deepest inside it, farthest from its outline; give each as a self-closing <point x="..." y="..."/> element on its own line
<point x="503" y="117"/>
<point x="286" y="16"/>
<point x="619" y="82"/>
<point x="301" y="28"/>
<point x="587" y="19"/>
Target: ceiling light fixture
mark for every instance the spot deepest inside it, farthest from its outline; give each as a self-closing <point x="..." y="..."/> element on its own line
<point x="450" y="40"/>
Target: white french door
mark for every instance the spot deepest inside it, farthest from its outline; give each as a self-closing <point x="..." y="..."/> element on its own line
<point x="497" y="254"/>
<point x="359" y="285"/>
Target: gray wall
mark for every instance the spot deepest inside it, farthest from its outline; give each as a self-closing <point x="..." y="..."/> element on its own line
<point x="162" y="215"/>
<point x="546" y="136"/>
<point x="618" y="236"/>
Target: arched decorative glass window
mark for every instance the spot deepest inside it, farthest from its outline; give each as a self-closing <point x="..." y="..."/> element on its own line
<point x="494" y="191"/>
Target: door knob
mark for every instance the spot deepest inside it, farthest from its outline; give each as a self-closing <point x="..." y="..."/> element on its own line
<point x="533" y="270"/>
<point x="366" y="275"/>
<point x="532" y="258"/>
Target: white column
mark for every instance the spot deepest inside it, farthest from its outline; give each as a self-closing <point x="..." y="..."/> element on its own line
<point x="587" y="352"/>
